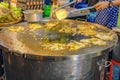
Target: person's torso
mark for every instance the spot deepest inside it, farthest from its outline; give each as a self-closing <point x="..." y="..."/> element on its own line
<point x="107" y="17"/>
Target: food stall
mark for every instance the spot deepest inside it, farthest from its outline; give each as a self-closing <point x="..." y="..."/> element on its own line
<point x="7" y="17"/>
<point x="56" y="50"/>
<point x="39" y="50"/>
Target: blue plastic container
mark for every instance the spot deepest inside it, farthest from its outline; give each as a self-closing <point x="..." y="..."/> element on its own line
<point x="79" y="5"/>
<point x="91" y="17"/>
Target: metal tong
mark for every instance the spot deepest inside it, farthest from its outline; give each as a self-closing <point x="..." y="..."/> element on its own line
<point x="67" y="12"/>
<point x="53" y="11"/>
<point x="62" y="13"/>
<point x="65" y="5"/>
<point x="87" y="8"/>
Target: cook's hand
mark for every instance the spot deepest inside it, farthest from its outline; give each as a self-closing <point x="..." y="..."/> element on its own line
<point x="101" y="5"/>
<point x="79" y="0"/>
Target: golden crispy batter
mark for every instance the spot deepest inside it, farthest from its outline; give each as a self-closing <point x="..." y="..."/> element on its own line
<point x="34" y="27"/>
<point x="87" y="30"/>
<point x="104" y="36"/>
<point x="51" y="24"/>
<point x="98" y="42"/>
<point x="96" y="36"/>
<point x="94" y="41"/>
<point x="16" y="28"/>
<point x="68" y="30"/>
<point x="75" y="45"/>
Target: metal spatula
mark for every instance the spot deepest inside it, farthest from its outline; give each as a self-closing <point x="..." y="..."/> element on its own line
<point x="62" y="13"/>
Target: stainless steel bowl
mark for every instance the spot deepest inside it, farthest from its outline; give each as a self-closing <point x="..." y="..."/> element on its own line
<point x="33" y="15"/>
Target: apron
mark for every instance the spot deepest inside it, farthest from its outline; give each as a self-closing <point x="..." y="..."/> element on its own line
<point x="107" y="17"/>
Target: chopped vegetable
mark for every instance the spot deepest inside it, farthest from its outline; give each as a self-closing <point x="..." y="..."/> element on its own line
<point x="9" y="15"/>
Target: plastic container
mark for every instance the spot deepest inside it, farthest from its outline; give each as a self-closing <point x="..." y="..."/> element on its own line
<point x="47" y="8"/>
<point x="91" y="16"/>
<point x="79" y="5"/>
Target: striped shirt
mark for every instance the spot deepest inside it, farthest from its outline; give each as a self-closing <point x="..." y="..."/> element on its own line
<point x="107" y="17"/>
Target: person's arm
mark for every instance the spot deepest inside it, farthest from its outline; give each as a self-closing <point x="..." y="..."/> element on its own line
<point x="116" y="2"/>
<point x="104" y="4"/>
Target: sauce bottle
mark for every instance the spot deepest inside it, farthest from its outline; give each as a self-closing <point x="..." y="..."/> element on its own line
<point x="47" y="8"/>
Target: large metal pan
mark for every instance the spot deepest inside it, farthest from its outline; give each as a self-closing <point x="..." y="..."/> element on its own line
<point x="25" y="42"/>
<point x="25" y="59"/>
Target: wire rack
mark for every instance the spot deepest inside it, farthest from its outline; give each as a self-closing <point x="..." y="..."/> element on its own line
<point x="30" y="4"/>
